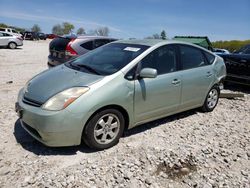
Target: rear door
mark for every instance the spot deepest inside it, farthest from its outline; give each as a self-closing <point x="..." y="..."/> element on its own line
<point x="155" y="97"/>
<point x="4" y="39"/>
<point x="196" y="74"/>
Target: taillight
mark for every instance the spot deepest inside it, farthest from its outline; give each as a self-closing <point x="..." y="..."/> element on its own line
<point x="69" y="50"/>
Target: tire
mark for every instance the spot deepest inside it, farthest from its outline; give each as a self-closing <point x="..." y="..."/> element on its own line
<point x="211" y="99"/>
<point x="99" y="134"/>
<point x="12" y="45"/>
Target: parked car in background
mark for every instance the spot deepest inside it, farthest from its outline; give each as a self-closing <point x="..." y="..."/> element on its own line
<point x="97" y="96"/>
<point x="29" y="35"/>
<point x="10" y="41"/>
<point x="65" y="48"/>
<point x="238" y="66"/>
<point x="42" y="36"/>
<point x="51" y="36"/>
<point x="11" y="31"/>
<point x="220" y="51"/>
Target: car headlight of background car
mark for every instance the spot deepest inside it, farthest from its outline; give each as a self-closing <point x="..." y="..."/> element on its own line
<point x="64" y="98"/>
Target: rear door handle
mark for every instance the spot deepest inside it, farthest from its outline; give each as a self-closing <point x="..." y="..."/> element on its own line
<point x="176" y="82"/>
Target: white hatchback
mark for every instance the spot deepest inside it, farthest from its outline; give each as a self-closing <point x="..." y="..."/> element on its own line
<point x="11" y="41"/>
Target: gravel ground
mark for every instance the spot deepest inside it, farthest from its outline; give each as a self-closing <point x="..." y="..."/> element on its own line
<point x="190" y="149"/>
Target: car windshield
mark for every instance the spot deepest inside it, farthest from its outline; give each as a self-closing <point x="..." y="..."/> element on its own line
<point x="244" y="50"/>
<point x="107" y="59"/>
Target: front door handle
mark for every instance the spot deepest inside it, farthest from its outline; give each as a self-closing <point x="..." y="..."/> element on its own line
<point x="209" y="74"/>
<point x="176" y="82"/>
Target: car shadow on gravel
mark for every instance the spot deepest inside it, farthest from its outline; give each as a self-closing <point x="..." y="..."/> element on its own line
<point x="32" y="145"/>
<point x="159" y="122"/>
<point x="237" y="88"/>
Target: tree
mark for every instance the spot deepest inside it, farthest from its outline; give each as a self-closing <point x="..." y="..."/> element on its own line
<point x="156" y="36"/>
<point x="57" y="29"/>
<point x="67" y="27"/>
<point x="163" y="35"/>
<point x="36" y="28"/>
<point x="80" y="31"/>
<point x="102" y="31"/>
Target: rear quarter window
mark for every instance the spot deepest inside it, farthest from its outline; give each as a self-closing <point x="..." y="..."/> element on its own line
<point x="87" y="45"/>
<point x="210" y="58"/>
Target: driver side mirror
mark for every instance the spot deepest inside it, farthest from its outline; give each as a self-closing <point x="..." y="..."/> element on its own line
<point x="148" y="73"/>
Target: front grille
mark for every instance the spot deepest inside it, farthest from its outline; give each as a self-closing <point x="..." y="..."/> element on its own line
<point x="31" y="130"/>
<point x="31" y="102"/>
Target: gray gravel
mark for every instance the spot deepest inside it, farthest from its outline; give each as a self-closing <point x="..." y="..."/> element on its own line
<point x="191" y="149"/>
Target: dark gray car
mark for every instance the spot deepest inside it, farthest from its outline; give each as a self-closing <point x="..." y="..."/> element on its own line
<point x="63" y="49"/>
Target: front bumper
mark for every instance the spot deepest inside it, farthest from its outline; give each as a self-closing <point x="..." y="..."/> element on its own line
<point x="52" y="128"/>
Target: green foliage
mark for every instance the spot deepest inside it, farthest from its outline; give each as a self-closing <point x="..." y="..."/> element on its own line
<point x="67" y="27"/>
<point x="230" y="45"/>
<point x="36" y="28"/>
<point x="64" y="28"/>
<point x="163" y="35"/>
<point x="80" y="31"/>
<point x="57" y="29"/>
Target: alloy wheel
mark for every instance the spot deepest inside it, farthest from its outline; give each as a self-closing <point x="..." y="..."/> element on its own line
<point x="212" y="98"/>
<point x="106" y="129"/>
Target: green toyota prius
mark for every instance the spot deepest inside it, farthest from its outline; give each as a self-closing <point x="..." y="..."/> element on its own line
<point x="99" y="95"/>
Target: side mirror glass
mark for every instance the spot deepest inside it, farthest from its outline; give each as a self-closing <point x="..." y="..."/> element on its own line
<point x="148" y="73"/>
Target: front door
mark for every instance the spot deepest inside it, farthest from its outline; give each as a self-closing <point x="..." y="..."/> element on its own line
<point x="160" y="96"/>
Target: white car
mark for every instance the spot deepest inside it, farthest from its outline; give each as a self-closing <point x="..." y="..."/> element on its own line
<point x="219" y="51"/>
<point x="11" y="31"/>
<point x="11" y="41"/>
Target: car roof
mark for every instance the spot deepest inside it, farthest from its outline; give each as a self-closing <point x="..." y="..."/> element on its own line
<point x="93" y="37"/>
<point x="153" y="42"/>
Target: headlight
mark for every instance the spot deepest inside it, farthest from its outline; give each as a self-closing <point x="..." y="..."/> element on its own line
<point x="64" y="98"/>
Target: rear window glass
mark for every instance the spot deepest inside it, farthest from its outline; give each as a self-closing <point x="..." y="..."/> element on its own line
<point x="191" y="57"/>
<point x="210" y="58"/>
<point x="88" y="45"/>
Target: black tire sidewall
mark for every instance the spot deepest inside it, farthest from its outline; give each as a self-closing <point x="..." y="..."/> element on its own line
<point x="88" y="133"/>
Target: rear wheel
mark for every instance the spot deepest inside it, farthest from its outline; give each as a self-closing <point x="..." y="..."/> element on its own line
<point x="211" y="99"/>
<point x="104" y="129"/>
<point x="12" y="45"/>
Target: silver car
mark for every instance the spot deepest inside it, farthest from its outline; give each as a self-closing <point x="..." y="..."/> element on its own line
<point x="11" y="41"/>
<point x="65" y="48"/>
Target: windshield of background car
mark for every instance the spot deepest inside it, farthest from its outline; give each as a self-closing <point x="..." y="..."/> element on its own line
<point x="107" y="59"/>
<point x="245" y="50"/>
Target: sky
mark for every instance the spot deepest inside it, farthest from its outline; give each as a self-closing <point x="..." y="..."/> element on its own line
<point x="217" y="19"/>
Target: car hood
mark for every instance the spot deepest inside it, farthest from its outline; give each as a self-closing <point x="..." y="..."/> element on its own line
<point x="47" y="84"/>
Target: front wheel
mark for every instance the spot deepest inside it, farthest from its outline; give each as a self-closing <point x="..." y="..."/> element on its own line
<point x="104" y="129"/>
<point x="211" y="99"/>
<point x="12" y="45"/>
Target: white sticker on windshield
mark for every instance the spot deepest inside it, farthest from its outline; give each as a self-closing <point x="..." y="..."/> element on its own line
<point x="132" y="49"/>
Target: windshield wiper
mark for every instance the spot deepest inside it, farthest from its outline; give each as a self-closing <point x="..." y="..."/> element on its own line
<point x="74" y="66"/>
<point x="88" y="68"/>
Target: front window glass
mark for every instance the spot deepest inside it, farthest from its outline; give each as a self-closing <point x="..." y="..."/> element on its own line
<point x="107" y="59"/>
